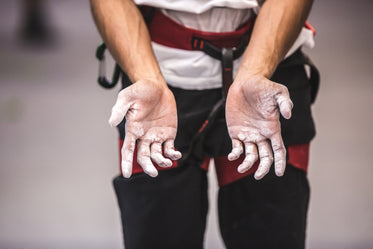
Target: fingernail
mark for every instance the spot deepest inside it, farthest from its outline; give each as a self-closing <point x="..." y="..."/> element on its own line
<point x="168" y="163"/>
<point x="176" y="155"/>
<point x="258" y="176"/>
<point x="241" y="169"/>
<point x="126" y="173"/>
<point x="112" y="122"/>
<point x="151" y="171"/>
<point x="279" y="172"/>
<point x="233" y="156"/>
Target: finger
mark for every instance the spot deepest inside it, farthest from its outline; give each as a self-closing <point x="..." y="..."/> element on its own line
<point x="285" y="104"/>
<point x="237" y="150"/>
<point x="266" y="159"/>
<point x="251" y="156"/>
<point x="127" y="152"/>
<point x="119" y="110"/>
<point x="157" y="157"/>
<point x="279" y="153"/>
<point x="169" y="150"/>
<point x="143" y="158"/>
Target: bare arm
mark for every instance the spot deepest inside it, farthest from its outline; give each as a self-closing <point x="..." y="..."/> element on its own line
<point x="123" y="29"/>
<point x="254" y="103"/>
<point x="148" y="105"/>
<point x="276" y="28"/>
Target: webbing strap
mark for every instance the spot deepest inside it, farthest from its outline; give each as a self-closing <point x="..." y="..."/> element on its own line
<point x="196" y="145"/>
<point x="226" y="55"/>
<point x="227" y="69"/>
<point x="215" y="52"/>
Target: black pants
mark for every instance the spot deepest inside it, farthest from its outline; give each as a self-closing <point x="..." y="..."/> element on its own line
<point x="266" y="214"/>
<point x="169" y="211"/>
<point x="166" y="212"/>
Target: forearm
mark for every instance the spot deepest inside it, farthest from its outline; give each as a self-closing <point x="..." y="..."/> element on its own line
<point x="123" y="29"/>
<point x="277" y="26"/>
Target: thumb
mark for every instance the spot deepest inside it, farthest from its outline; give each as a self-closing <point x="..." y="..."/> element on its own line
<point x="285" y="104"/>
<point x="119" y="110"/>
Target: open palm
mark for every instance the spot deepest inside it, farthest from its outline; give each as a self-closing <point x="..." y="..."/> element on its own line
<point x="252" y="111"/>
<point x="151" y="122"/>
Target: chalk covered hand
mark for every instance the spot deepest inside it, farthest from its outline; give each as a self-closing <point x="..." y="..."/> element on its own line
<point x="151" y="121"/>
<point x="252" y="112"/>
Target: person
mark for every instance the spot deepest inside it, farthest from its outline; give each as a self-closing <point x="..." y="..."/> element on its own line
<point x="35" y="26"/>
<point x="198" y="93"/>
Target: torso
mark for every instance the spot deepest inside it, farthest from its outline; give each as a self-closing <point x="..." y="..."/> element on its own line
<point x="180" y="67"/>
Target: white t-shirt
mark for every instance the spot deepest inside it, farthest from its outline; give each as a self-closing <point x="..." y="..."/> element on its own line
<point x="195" y="70"/>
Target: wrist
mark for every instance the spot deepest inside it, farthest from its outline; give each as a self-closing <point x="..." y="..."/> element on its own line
<point x="249" y="70"/>
<point x="155" y="78"/>
<point x="244" y="78"/>
<point x="258" y="61"/>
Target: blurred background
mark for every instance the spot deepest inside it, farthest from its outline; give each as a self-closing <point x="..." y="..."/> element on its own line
<point x="58" y="154"/>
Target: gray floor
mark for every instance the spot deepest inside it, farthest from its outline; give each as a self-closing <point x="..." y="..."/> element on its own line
<point x="58" y="155"/>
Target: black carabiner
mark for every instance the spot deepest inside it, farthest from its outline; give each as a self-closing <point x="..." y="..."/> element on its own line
<point x="102" y="80"/>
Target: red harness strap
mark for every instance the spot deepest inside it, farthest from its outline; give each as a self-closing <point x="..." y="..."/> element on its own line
<point x="165" y="31"/>
<point x="307" y="25"/>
